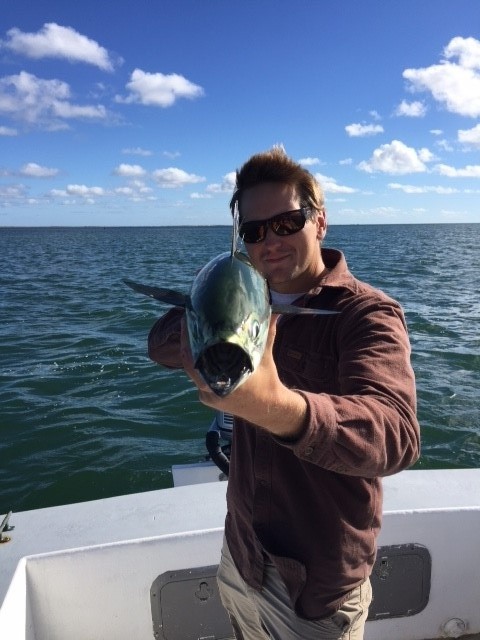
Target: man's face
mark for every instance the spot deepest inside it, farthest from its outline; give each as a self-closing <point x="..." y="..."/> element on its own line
<point x="291" y="264"/>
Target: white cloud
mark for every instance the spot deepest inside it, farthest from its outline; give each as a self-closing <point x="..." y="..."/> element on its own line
<point x="357" y="130"/>
<point x="42" y="103"/>
<point x="227" y="185"/>
<point x="411" y="109"/>
<point x="384" y="211"/>
<point x="137" y="151"/>
<point x="125" y="191"/>
<point x="329" y="185"/>
<point x="395" y="158"/>
<point x="470" y="136"/>
<point x="159" y="90"/>
<point x="200" y="196"/>
<point x="309" y="162"/>
<point x="470" y="171"/>
<point x="436" y="132"/>
<point x="346" y="161"/>
<point x="455" y="85"/>
<point x="8" y="131"/>
<point x="140" y="186"/>
<point x="136" y="191"/>
<point x="34" y="170"/>
<point x="55" y="41"/>
<point x="84" y="191"/>
<point x="67" y="111"/>
<point x="444" y="145"/>
<point x="12" y="192"/>
<point x="426" y="155"/>
<point x="173" y="178"/>
<point x="375" y="115"/>
<point x="412" y="189"/>
<point x="466" y="49"/>
<point x="129" y="171"/>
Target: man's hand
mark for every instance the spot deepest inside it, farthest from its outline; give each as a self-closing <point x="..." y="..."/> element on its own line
<point x="262" y="399"/>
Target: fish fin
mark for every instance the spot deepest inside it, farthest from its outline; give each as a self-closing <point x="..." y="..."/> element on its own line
<point x="292" y="310"/>
<point x="235" y="227"/>
<point x="243" y="258"/>
<point x="164" y="295"/>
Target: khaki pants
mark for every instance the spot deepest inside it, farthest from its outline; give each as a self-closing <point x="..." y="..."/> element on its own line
<point x="268" y="614"/>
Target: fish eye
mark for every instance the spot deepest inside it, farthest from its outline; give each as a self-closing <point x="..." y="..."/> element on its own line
<point x="255" y="329"/>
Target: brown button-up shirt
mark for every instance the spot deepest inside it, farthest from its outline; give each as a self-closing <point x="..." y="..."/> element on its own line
<point x="313" y="506"/>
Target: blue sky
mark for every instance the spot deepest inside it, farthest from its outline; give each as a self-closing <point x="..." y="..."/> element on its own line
<point x="139" y="112"/>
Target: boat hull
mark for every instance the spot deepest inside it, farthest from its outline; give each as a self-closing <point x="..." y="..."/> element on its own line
<point x="87" y="570"/>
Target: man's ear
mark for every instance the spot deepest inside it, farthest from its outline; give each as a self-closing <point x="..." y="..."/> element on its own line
<point x="321" y="224"/>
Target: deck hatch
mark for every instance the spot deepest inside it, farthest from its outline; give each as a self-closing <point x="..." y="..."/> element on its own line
<point x="186" y="605"/>
<point x="400" y="581"/>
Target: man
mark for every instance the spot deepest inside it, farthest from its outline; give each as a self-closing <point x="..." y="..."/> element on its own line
<point x="329" y="410"/>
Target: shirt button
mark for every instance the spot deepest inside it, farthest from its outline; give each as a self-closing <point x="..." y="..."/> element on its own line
<point x="308" y="451"/>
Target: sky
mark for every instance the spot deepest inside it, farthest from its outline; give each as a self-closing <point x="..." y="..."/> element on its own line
<point x="138" y="113"/>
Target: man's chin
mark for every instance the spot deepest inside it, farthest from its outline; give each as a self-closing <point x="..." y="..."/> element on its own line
<point x="278" y="282"/>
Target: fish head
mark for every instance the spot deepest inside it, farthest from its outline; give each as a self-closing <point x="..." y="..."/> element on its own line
<point x="228" y="316"/>
<point x="224" y="366"/>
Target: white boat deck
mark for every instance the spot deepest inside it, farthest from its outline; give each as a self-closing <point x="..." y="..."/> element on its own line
<point x="76" y="571"/>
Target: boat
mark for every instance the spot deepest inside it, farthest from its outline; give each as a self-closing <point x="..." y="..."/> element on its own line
<point x="143" y="566"/>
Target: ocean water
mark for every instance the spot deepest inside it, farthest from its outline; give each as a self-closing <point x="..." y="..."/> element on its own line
<point x="84" y="414"/>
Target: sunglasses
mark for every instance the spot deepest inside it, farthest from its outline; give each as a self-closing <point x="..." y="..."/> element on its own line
<point x="283" y="224"/>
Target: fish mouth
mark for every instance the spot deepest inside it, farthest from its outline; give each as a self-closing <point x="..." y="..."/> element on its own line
<point x="224" y="366"/>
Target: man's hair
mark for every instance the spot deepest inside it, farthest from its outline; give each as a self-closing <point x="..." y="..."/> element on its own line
<point x="275" y="166"/>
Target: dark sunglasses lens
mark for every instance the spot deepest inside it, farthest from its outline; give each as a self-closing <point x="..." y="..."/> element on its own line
<point x="288" y="224"/>
<point x="282" y="225"/>
<point x="252" y="232"/>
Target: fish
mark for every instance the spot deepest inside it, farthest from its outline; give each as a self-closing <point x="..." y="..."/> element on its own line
<point x="228" y="314"/>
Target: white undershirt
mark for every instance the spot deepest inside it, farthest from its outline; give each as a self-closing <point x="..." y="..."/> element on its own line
<point x="284" y="298"/>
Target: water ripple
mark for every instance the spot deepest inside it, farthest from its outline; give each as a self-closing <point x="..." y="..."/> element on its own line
<point x="86" y="415"/>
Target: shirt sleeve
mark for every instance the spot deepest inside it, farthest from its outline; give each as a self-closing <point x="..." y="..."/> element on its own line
<point x="370" y="428"/>
<point x="164" y="339"/>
